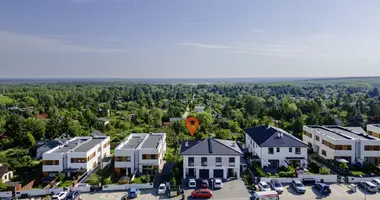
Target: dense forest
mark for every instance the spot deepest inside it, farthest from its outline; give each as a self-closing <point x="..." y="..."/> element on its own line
<point x="38" y="112"/>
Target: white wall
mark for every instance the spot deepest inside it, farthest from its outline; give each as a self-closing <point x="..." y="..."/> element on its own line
<point x="373" y="128"/>
<point x="326" y="178"/>
<point x="358" y="179"/>
<point x="281" y="156"/>
<point x="114" y="187"/>
<point x="53" y="156"/>
<point x="364" y="153"/>
<point x="125" y="152"/>
<point x="38" y="192"/>
<point x="282" y="180"/>
<point x="6" y="194"/>
<point x="7" y="177"/>
<point x="82" y="188"/>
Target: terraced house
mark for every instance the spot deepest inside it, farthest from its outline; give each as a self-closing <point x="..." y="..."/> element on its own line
<point x="350" y="143"/>
<point x="140" y="152"/>
<point x="78" y="155"/>
<point x="373" y="130"/>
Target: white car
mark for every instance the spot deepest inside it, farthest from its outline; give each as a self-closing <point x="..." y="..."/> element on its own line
<point x="59" y="196"/>
<point x="161" y="189"/>
<point x="192" y="183"/>
<point x="218" y="184"/>
<point x="276" y="185"/>
<point x="376" y="182"/>
<point x="263" y="186"/>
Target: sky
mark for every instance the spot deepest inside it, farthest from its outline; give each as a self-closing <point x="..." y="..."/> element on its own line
<point x="189" y="38"/>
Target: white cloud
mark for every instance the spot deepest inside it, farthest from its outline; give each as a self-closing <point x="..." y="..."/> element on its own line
<point x="203" y="46"/>
<point x="258" y="31"/>
<point x="16" y="42"/>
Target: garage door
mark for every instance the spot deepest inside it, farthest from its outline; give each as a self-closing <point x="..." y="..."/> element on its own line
<point x="203" y="173"/>
<point x="218" y="173"/>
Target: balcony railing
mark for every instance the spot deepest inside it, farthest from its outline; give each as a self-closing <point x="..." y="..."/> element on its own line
<point x="191" y="163"/>
<point x="218" y="164"/>
<point x="232" y="164"/>
<point x="204" y="163"/>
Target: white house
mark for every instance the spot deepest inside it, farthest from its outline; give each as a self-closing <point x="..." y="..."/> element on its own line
<point x="373" y="130"/>
<point x="140" y="152"/>
<point x="275" y="147"/>
<point x="77" y="154"/>
<point x="5" y="174"/>
<point x="336" y="142"/>
<point x="210" y="158"/>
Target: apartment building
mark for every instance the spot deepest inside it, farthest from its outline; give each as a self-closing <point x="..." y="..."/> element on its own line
<point x="336" y="142"/>
<point x="373" y="130"/>
<point x="77" y="155"/>
<point x="140" y="152"/>
<point x="275" y="147"/>
<point x="210" y="158"/>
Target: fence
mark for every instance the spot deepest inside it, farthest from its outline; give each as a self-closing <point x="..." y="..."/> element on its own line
<point x="114" y="187"/>
<point x="5" y="194"/>
<point x="41" y="192"/>
<point x="317" y="177"/>
<point x="81" y="188"/>
<point x="353" y="179"/>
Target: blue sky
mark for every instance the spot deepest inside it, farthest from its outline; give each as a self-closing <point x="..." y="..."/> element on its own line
<point x="189" y="38"/>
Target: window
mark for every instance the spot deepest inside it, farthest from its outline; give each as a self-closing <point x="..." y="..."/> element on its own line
<point x="278" y="149"/>
<point x="372" y="147"/>
<point x="317" y="138"/>
<point x="91" y="156"/>
<point x="153" y="157"/>
<point x="204" y="161"/>
<point x="218" y="161"/>
<point x="298" y="150"/>
<point x="190" y="161"/>
<point x="290" y="149"/>
<point x="78" y="160"/>
<point x="232" y="161"/>
<point x="271" y="150"/>
<point x="324" y="153"/>
<point x="106" y="144"/>
<point x="149" y="156"/>
<point x="308" y="134"/>
<point x="51" y="162"/>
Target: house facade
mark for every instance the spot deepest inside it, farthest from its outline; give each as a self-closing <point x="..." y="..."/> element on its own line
<point x="140" y="152"/>
<point x="373" y="130"/>
<point x="5" y="173"/>
<point x="275" y="147"/>
<point x="336" y="142"/>
<point x="79" y="153"/>
<point x="210" y="158"/>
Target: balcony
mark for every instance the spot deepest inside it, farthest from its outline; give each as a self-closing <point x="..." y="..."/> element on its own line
<point x="218" y="164"/>
<point x="232" y="164"/>
<point x="191" y="163"/>
<point x="204" y="163"/>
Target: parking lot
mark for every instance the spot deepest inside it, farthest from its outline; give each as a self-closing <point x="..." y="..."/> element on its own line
<point x="235" y="190"/>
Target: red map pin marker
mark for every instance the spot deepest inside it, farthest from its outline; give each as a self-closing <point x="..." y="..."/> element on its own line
<point x="192" y="124"/>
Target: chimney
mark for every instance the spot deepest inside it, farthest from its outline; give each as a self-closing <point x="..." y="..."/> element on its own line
<point x="186" y="144"/>
<point x="278" y="134"/>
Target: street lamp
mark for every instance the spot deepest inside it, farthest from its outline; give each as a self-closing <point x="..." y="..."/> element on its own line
<point x="212" y="188"/>
<point x="365" y="189"/>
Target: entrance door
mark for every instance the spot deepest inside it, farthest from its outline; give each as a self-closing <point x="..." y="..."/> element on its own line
<point x="274" y="163"/>
<point x="218" y="173"/>
<point x="191" y="172"/>
<point x="204" y="173"/>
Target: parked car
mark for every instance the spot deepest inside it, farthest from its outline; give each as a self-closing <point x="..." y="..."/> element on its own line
<point x="161" y="189"/>
<point x="204" y="184"/>
<point x="74" y="195"/>
<point x="133" y="193"/>
<point x="298" y="186"/>
<point x="201" y="193"/>
<point x="59" y="196"/>
<point x="218" y="184"/>
<point x="368" y="186"/>
<point x="263" y="186"/>
<point x="276" y="186"/>
<point x="376" y="182"/>
<point x="192" y="183"/>
<point x="323" y="188"/>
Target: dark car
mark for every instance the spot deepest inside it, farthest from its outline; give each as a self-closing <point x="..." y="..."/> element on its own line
<point x="133" y="193"/>
<point x="323" y="188"/>
<point x="74" y="195"/>
<point x="204" y="184"/>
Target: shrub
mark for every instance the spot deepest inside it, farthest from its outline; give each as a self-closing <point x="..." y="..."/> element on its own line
<point x="145" y="178"/>
<point x="268" y="174"/>
<point x="324" y="170"/>
<point x="343" y="166"/>
<point x="107" y="181"/>
<point x="283" y="174"/>
<point x="282" y="168"/>
<point x="93" y="179"/>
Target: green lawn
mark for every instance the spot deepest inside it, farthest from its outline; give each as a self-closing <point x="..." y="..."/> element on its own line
<point x="65" y="183"/>
<point x="357" y="173"/>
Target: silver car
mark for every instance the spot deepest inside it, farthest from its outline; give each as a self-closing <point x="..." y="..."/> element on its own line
<point x="298" y="186"/>
<point x="368" y="186"/>
<point x="376" y="182"/>
<point x="276" y="186"/>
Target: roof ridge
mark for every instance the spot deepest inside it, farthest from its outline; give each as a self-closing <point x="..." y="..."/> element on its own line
<point x="226" y="145"/>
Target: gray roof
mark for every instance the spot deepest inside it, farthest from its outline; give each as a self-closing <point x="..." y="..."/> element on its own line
<point x="4" y="170"/>
<point x="329" y="132"/>
<point x="152" y="141"/>
<point x="210" y="146"/>
<point x="88" y="145"/>
<point x="355" y="133"/>
<point x="69" y="146"/>
<point x="133" y="142"/>
<point x="267" y="136"/>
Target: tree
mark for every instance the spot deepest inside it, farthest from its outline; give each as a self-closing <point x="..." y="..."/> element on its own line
<point x="93" y="179"/>
<point x="3" y="186"/>
<point x="223" y="134"/>
<point x="155" y="117"/>
<point x="53" y="128"/>
<point x="36" y="127"/>
<point x="28" y="140"/>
